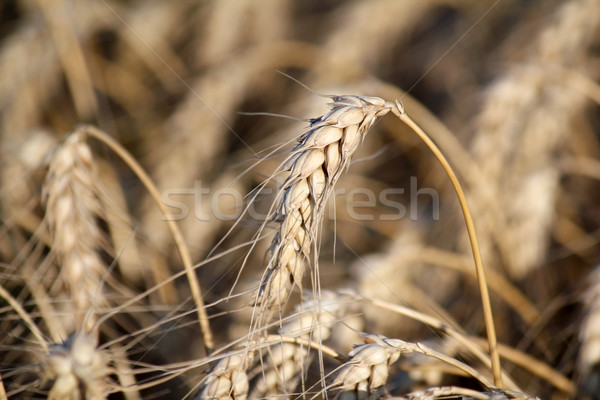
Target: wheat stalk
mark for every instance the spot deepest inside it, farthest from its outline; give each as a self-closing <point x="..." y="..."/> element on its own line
<point x="324" y="151"/>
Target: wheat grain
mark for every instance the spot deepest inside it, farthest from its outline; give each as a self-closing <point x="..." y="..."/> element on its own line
<point x="71" y="211"/>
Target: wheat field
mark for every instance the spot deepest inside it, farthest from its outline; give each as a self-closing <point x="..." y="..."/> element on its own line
<point x="236" y="199"/>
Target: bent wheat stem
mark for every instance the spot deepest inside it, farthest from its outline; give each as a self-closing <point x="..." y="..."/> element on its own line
<point x="177" y="236"/>
<point x="485" y="297"/>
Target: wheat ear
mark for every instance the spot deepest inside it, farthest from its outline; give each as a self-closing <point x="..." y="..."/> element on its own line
<point x="323" y="152"/>
<point x="226" y="380"/>
<point x="71" y="211"/>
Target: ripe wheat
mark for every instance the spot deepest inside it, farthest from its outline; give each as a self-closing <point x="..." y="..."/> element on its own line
<point x="324" y="151"/>
<point x="77" y="368"/>
<point x="71" y="211"/>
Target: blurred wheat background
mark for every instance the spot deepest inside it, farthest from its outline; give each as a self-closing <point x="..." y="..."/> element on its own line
<point x="508" y="89"/>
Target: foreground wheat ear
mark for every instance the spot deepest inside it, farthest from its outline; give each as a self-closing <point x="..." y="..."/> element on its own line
<point x="77" y="368"/>
<point x="323" y="152"/>
<point x="71" y="208"/>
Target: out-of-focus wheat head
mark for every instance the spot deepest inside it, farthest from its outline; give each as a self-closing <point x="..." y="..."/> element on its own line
<point x="77" y="369"/>
<point x="72" y="207"/>
<point x="525" y="123"/>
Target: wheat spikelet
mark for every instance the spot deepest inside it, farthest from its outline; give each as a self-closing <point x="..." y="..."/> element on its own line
<point x="77" y="369"/>
<point x="71" y="211"/>
<point x="322" y="154"/>
<point x="366" y="372"/>
<point x="226" y="380"/>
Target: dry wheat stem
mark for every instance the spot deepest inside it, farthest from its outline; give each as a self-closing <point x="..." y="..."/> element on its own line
<point x="485" y="298"/>
<point x="177" y="236"/>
